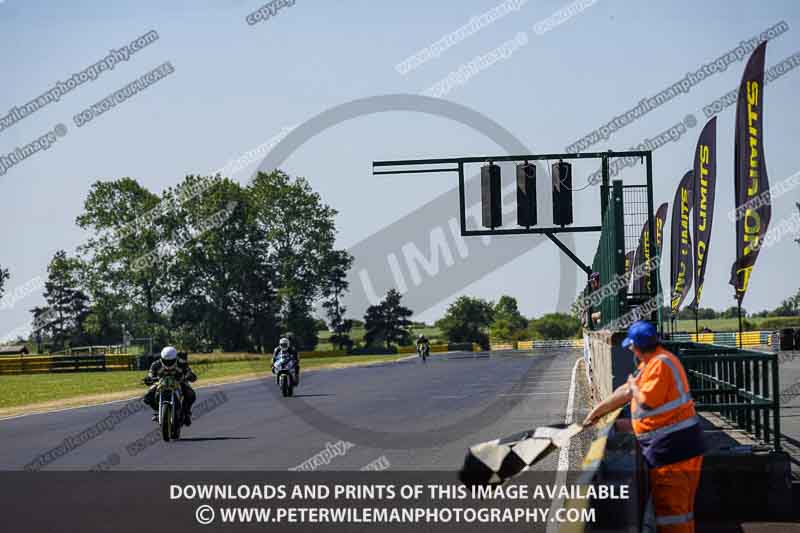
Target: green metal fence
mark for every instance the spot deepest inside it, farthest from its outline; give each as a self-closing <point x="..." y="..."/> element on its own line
<point x="609" y="260"/>
<point x="742" y="386"/>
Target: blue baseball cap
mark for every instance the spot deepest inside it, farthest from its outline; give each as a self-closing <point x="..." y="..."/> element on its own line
<point x="641" y="333"/>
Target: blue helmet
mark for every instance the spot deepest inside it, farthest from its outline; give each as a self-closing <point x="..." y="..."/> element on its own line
<point x="641" y="333"/>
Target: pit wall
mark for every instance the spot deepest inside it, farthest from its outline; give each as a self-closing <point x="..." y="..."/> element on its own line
<point x="607" y="364"/>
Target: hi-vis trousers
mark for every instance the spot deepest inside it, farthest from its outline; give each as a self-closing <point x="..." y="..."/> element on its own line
<point x="673" y="488"/>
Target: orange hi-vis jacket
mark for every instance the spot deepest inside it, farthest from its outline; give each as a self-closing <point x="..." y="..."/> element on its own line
<point x="666" y="424"/>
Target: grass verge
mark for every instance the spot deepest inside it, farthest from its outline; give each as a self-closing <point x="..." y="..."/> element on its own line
<point x="52" y="391"/>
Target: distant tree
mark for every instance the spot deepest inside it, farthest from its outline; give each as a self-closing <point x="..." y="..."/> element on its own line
<point x="789" y="307"/>
<point x="502" y="329"/>
<point x="299" y="234"/>
<point x="554" y="326"/>
<point x="467" y="320"/>
<point x="508" y="323"/>
<point x="705" y="313"/>
<point x="67" y="306"/>
<point x="123" y="237"/>
<point x="732" y="312"/>
<point x="336" y="287"/>
<point x="223" y="289"/>
<point x="388" y="321"/>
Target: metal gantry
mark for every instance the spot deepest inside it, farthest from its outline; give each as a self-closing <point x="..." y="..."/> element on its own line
<point x="456" y="165"/>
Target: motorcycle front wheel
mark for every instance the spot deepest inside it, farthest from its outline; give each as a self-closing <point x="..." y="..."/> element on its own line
<point x="286" y="387"/>
<point x="166" y="422"/>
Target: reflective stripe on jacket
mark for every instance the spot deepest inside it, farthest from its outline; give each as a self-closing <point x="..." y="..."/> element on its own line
<point x="666" y="424"/>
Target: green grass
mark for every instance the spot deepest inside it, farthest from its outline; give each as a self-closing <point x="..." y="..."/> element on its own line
<point x="357" y="335"/>
<point x="37" y="388"/>
<point x="717" y="324"/>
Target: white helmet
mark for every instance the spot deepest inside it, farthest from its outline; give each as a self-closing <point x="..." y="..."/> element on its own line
<point x="284" y="343"/>
<point x="169" y="355"/>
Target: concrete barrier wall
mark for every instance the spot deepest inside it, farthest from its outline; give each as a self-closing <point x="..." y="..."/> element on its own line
<point x="597" y="361"/>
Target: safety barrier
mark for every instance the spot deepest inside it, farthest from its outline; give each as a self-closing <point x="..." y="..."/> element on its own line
<point x="741" y="385"/>
<point x="38" y="364"/>
<point x="106" y="349"/>
<point x="543" y="344"/>
<point x="503" y="346"/>
<point x="530" y="345"/>
<point x="723" y="338"/>
<point x="726" y="338"/>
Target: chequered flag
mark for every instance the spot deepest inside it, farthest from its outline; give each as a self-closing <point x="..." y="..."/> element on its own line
<point x="496" y="461"/>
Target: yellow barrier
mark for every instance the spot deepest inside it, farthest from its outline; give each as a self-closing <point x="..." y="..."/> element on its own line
<point x="530" y="345"/>
<point x="594" y="456"/>
<point x="705" y="338"/>
<point x="749" y="338"/>
<point x="435" y="348"/>
<point x="35" y="364"/>
<point x="504" y="346"/>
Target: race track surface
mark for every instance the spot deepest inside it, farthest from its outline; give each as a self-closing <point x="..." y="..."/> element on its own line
<point x="404" y="415"/>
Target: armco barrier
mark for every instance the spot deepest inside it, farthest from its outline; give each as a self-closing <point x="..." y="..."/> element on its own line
<point x="463" y="347"/>
<point x="39" y="364"/>
<point x="726" y="338"/>
<point x="541" y="344"/>
<point x="503" y="346"/>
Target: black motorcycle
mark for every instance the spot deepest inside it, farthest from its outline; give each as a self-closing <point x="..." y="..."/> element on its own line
<point x="170" y="405"/>
<point x="285" y="370"/>
<point x="423" y="350"/>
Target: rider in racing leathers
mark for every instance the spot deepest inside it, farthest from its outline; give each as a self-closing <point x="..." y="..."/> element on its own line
<point x="168" y="362"/>
<point x="423" y="341"/>
<point x="285" y="346"/>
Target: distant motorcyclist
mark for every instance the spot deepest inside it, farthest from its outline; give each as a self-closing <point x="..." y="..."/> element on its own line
<point x="167" y="363"/>
<point x="422" y="341"/>
<point x="284" y="346"/>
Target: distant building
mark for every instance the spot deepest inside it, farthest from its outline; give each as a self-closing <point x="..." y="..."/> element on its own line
<point x="16" y="349"/>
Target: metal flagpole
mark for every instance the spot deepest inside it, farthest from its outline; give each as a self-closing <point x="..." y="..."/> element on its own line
<point x="739" y="312"/>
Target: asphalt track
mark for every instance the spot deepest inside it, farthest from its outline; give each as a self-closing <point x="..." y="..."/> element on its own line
<point x="404" y="415"/>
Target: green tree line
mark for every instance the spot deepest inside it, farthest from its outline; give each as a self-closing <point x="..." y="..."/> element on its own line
<point x="207" y="263"/>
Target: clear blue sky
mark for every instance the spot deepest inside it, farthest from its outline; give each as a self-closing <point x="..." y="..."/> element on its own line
<point x="235" y="86"/>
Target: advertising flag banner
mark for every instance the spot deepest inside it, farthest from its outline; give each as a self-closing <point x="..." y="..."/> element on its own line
<point x="642" y="280"/>
<point x="705" y="173"/>
<point x="753" y="204"/>
<point x="681" y="263"/>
